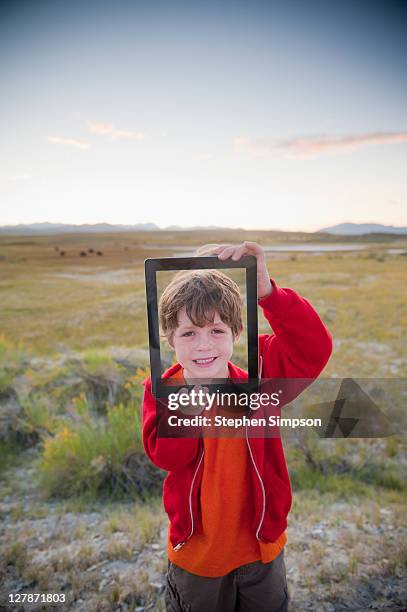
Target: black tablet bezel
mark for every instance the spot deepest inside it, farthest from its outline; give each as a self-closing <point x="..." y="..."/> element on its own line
<point x="152" y="266"/>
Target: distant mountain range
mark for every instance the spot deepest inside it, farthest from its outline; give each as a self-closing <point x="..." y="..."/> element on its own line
<point x="64" y="228"/>
<point x="358" y="229"/>
<point x="342" y="229"/>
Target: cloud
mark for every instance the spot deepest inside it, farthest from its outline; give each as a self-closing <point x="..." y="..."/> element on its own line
<point x="69" y="142"/>
<point x="97" y="127"/>
<point x="100" y="128"/>
<point x="309" y="147"/>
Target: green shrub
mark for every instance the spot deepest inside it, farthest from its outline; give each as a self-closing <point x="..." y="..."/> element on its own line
<point x="342" y="485"/>
<point x="13" y="358"/>
<point x="335" y="470"/>
<point x="104" y="380"/>
<point x="100" y="459"/>
<point x="59" y="382"/>
<point x="379" y="474"/>
<point x="25" y="421"/>
<point x="8" y="454"/>
<point x="38" y="418"/>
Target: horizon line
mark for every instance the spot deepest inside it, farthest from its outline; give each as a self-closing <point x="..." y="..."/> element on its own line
<point x="176" y="227"/>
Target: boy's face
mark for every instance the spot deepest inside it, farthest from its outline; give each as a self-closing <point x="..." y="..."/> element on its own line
<point x="203" y="352"/>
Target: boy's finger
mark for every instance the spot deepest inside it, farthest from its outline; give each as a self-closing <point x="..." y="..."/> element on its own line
<point x="253" y="246"/>
<point x="226" y="252"/>
<point x="220" y="247"/>
<point x="201" y="388"/>
<point x="239" y="252"/>
<point x="209" y="249"/>
<point x="223" y="247"/>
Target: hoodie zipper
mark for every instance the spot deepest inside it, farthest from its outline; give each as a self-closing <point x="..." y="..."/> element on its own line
<point x="254" y="463"/>
<point x="261" y="483"/>
<point x="181" y="544"/>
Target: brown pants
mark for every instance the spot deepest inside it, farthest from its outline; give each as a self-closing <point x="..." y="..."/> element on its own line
<point x="255" y="587"/>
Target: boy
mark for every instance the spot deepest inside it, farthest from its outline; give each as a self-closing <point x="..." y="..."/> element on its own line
<point x="228" y="499"/>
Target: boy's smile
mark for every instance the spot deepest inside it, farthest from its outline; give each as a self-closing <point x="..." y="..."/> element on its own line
<point x="204" y="362"/>
<point x="203" y="351"/>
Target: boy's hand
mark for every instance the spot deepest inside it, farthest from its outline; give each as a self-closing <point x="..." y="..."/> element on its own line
<point x="194" y="408"/>
<point x="235" y="252"/>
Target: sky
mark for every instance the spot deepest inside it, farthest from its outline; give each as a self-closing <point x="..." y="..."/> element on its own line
<point x="273" y="115"/>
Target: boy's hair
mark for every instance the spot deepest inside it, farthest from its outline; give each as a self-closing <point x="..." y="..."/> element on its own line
<point x="201" y="292"/>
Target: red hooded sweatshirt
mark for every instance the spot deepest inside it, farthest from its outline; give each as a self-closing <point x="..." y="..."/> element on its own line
<point x="299" y="348"/>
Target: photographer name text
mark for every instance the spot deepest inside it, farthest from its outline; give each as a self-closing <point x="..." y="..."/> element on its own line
<point x="237" y="423"/>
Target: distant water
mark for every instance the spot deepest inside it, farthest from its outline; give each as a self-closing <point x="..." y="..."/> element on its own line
<point x="188" y="251"/>
<point x="312" y="247"/>
<point x="287" y="248"/>
<point x="396" y="251"/>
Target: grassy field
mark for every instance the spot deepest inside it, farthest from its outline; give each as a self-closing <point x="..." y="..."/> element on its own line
<point x="49" y="301"/>
<point x="73" y="351"/>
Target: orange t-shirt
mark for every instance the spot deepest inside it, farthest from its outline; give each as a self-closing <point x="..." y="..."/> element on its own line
<point x="228" y="538"/>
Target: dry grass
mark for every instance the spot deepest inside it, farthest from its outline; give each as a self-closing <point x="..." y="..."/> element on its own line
<point x="134" y="592"/>
<point x="361" y="299"/>
<point x="119" y="549"/>
<point x="141" y="526"/>
<point x="16" y="553"/>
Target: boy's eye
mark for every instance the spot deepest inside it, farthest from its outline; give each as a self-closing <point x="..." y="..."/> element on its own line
<point x="188" y="334"/>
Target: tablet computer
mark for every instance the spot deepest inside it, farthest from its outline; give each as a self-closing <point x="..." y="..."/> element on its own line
<point x="158" y="272"/>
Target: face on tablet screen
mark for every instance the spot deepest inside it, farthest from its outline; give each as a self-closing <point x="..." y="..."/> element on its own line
<point x="203" y="320"/>
<point x="203" y="351"/>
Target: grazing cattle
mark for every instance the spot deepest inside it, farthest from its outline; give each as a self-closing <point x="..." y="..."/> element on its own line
<point x="62" y="253"/>
<point x="83" y="253"/>
<point x="99" y="253"/>
<point x="91" y="251"/>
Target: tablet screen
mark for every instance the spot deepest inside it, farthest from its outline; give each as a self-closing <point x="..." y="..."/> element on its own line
<point x="210" y="289"/>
